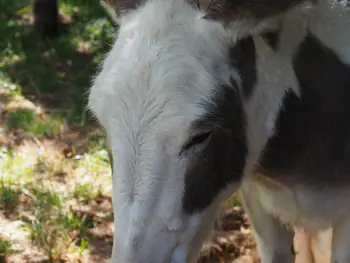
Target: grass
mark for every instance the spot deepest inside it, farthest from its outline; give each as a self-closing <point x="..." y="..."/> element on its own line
<point x="57" y="232"/>
<point x="9" y="197"/>
<point x="33" y="124"/>
<point x="50" y="205"/>
<point x="54" y="72"/>
<point x="83" y="192"/>
<point x="5" y="248"/>
<point x="53" y="163"/>
<point x="46" y="190"/>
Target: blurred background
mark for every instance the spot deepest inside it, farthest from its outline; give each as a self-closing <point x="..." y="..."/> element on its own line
<point x="55" y="177"/>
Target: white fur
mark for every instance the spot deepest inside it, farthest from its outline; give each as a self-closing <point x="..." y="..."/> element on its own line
<point x="333" y="23"/>
<point x="275" y="77"/>
<point x="294" y="205"/>
<point x="144" y="96"/>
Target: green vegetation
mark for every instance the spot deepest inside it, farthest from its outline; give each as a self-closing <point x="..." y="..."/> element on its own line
<point x="56" y="72"/>
<point x="5" y="248"/>
<point x="28" y="121"/>
<point x="55" y="230"/>
<point x="54" y="168"/>
<point x="9" y="197"/>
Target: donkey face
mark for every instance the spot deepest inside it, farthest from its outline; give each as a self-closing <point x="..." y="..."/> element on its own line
<point x="169" y="97"/>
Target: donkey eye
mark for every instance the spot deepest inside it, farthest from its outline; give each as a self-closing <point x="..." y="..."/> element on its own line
<point x="198" y="139"/>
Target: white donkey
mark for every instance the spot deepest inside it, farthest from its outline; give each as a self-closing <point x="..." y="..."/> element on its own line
<point x="200" y="99"/>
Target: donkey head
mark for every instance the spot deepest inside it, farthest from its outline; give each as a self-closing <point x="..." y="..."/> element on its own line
<point x="171" y="99"/>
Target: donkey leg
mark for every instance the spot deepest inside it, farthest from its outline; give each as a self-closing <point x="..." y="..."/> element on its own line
<point x="303" y="244"/>
<point x="274" y="240"/>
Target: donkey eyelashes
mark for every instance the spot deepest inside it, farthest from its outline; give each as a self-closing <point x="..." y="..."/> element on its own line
<point x="197" y="140"/>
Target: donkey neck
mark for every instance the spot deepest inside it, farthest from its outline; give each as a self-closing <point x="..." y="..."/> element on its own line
<point x="274" y="77"/>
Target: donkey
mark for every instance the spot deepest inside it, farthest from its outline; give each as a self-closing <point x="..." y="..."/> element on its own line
<point x="200" y="99"/>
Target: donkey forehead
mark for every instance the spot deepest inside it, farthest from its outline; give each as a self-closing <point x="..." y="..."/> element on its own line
<point x="157" y="91"/>
<point x="163" y="68"/>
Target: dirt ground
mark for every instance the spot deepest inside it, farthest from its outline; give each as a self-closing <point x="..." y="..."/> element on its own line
<point x="231" y="241"/>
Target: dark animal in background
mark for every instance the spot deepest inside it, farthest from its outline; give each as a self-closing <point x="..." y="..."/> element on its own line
<point x="46" y="19"/>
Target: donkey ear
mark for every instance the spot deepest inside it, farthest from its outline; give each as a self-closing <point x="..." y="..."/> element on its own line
<point x="247" y="15"/>
<point x="115" y="7"/>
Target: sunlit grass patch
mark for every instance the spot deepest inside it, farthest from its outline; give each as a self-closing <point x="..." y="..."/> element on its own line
<point x="92" y="178"/>
<point x="47" y="232"/>
<point x="51" y="164"/>
<point x="52" y="223"/>
<point x="8" y="88"/>
<point x="84" y="191"/>
<point x="46" y="196"/>
<point x="91" y="188"/>
<point x="18" y="165"/>
<point x="54" y="228"/>
<point x="95" y="161"/>
<point x="31" y="162"/>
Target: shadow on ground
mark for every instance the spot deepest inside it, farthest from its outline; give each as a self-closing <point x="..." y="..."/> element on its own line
<point x="55" y="73"/>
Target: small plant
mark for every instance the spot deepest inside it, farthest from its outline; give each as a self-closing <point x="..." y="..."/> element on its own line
<point x="9" y="197"/>
<point x="44" y="231"/>
<point x="83" y="192"/>
<point x="74" y="222"/>
<point x="46" y="197"/>
<point x="47" y="232"/>
<point x="86" y="191"/>
<point x="21" y="118"/>
<point x="53" y="238"/>
<point x="77" y="251"/>
<point x="54" y="230"/>
<point x="5" y="248"/>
